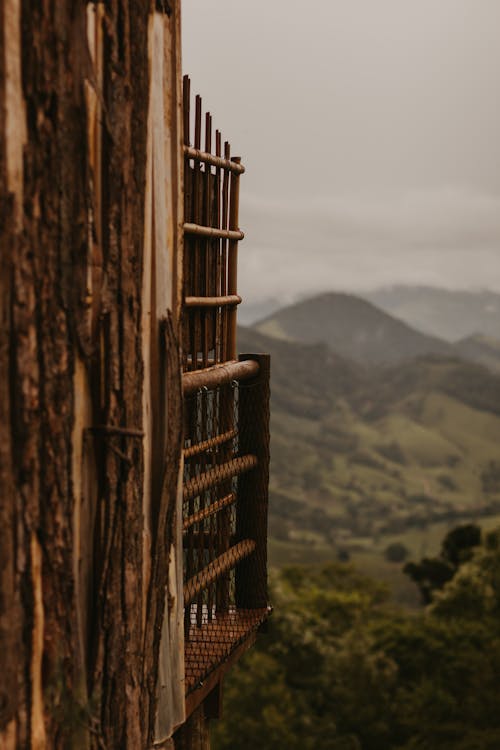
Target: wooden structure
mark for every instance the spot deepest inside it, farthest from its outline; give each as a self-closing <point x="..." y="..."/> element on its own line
<point x="226" y="426"/>
<point x="133" y="438"/>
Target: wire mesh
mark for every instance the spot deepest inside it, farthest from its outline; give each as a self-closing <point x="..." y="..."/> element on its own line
<point x="224" y="521"/>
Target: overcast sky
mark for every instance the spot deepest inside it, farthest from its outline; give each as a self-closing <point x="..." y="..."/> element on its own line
<point x="370" y="130"/>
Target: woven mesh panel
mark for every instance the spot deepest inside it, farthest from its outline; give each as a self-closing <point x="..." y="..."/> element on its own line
<point x="224" y="521"/>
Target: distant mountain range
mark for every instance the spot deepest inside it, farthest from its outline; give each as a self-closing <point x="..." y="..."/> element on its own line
<point x="450" y="315"/>
<point x="356" y="329"/>
<point x="378" y="428"/>
<point x="480" y="349"/>
<point x="446" y="314"/>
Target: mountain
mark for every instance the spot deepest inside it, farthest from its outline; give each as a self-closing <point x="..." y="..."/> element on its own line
<point x="451" y="315"/>
<point x="481" y="349"/>
<point x="363" y="456"/>
<point x="353" y="328"/>
<point x="306" y="378"/>
<point x="251" y="311"/>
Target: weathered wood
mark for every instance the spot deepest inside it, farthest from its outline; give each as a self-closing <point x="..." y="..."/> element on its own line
<point x="72" y="208"/>
<point x="167" y="296"/>
<point x="213" y="508"/>
<point x="232" y="268"/>
<point x="116" y="675"/>
<point x="164" y="518"/>
<point x="209" y="444"/>
<point x="251" y="522"/>
<point x="233" y="299"/>
<point x="218" y="375"/>
<point x="217" y="568"/>
<point x="218" y="474"/>
<point x="202" y="231"/>
<point x="214" y="161"/>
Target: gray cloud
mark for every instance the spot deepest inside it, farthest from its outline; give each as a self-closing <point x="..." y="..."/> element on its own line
<point x="370" y="135"/>
<point x="449" y="237"/>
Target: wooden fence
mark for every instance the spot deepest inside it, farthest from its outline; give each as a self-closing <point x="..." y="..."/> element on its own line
<point x="226" y="422"/>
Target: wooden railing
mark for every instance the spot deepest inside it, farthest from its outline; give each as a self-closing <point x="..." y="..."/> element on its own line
<point x="226" y="420"/>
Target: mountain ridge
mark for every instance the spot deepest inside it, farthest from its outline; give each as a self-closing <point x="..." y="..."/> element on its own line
<point x="353" y="328"/>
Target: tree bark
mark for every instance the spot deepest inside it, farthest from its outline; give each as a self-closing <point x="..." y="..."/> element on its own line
<point x="62" y="690"/>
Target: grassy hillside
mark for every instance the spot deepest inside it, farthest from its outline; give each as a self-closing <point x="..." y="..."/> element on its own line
<point x="363" y="457"/>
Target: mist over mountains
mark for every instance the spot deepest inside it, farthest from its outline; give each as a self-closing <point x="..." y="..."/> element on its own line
<point x="451" y="315"/>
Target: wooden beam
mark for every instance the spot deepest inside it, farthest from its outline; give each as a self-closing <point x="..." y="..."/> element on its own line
<point x="222" y="374"/>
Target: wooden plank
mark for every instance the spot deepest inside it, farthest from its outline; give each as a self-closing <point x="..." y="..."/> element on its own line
<point x="166" y="295"/>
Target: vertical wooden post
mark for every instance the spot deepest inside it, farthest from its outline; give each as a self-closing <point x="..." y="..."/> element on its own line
<point x="232" y="269"/>
<point x="251" y="574"/>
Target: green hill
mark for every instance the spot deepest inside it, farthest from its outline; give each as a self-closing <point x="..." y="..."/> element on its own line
<point x="365" y="456"/>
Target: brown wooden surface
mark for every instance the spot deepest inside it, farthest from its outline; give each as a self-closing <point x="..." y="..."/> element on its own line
<point x="251" y="575"/>
<point x="218" y="375"/>
<point x="79" y="657"/>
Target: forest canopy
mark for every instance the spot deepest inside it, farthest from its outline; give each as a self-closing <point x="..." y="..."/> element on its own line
<point x="342" y="668"/>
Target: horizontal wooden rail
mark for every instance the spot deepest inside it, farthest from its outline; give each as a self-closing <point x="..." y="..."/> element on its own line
<point x="230" y="299"/>
<point x="212" y="509"/>
<point x="218" y="474"/>
<point x="213" y="377"/>
<point x="214" y="161"/>
<point x="206" y="445"/>
<point x="213" y="232"/>
<point x="217" y="568"/>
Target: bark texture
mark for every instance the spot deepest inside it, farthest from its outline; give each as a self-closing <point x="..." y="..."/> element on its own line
<point x="59" y="690"/>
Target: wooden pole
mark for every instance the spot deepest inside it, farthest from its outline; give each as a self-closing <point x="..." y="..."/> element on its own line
<point x="232" y="271"/>
<point x="251" y="522"/>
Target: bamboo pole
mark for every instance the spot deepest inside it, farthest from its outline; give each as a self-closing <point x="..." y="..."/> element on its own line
<point x="232" y="271"/>
<point x="202" y="231"/>
<point x="233" y="299"/>
<point x="217" y="568"/>
<point x="218" y="271"/>
<point x="214" y="161"/>
<point x="219" y="375"/>
<point x="218" y="474"/>
<point x="209" y="444"/>
<point x="214" y="508"/>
